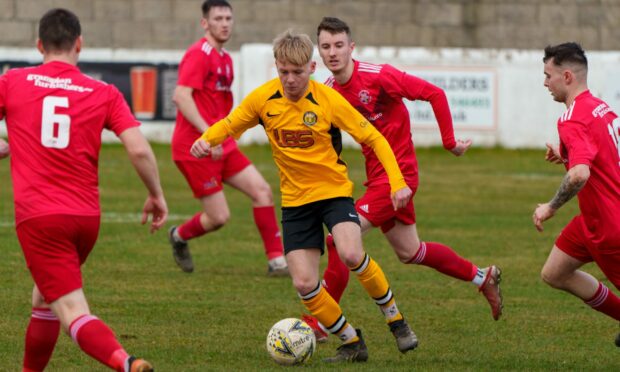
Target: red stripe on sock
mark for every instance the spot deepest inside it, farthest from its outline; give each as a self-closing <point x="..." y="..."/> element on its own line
<point x="97" y="340"/>
<point x="605" y="301"/>
<point x="41" y="336"/>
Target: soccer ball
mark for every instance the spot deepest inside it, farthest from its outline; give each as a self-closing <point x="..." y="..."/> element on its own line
<point x="291" y="341"/>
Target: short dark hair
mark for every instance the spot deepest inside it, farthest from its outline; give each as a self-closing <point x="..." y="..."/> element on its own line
<point x="566" y="53"/>
<point x="59" y="29"/>
<point x="333" y="25"/>
<point x="208" y="4"/>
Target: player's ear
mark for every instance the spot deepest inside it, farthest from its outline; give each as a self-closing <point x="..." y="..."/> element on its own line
<point x="204" y="24"/>
<point x="40" y="46"/>
<point x="312" y="67"/>
<point x="78" y="44"/>
<point x="568" y="76"/>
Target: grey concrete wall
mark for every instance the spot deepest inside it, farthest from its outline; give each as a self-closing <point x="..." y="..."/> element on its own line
<point x="174" y="24"/>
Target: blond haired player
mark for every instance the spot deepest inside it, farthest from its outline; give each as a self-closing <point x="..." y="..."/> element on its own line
<point x="303" y="119"/>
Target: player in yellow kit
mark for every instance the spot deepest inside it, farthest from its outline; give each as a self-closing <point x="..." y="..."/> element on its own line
<point x="302" y="119"/>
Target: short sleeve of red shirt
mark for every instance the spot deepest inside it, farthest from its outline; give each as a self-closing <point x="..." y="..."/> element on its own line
<point x="192" y="70"/>
<point x="576" y="139"/>
<point x="119" y="114"/>
<point x="2" y="95"/>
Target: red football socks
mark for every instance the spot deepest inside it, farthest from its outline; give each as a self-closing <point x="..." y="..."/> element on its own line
<point x="97" y="340"/>
<point x="192" y="228"/>
<point x="443" y="259"/>
<point x="265" y="219"/>
<point x="605" y="301"/>
<point x="336" y="275"/>
<point x="41" y="337"/>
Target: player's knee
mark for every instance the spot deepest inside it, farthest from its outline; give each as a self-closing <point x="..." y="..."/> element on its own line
<point x="404" y="257"/>
<point x="352" y="259"/>
<point x="262" y="194"/>
<point x="405" y="252"/>
<point x="551" y="278"/>
<point x="218" y="220"/>
<point x="304" y="285"/>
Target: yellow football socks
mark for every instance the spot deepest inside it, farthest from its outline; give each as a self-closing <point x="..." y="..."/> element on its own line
<point x="374" y="281"/>
<point x="328" y="312"/>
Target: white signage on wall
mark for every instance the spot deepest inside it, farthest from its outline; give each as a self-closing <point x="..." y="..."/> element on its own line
<point x="471" y="92"/>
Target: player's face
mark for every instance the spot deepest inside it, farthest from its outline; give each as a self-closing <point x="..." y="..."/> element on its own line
<point x="294" y="78"/>
<point x="335" y="50"/>
<point x="555" y="81"/>
<point x="219" y="23"/>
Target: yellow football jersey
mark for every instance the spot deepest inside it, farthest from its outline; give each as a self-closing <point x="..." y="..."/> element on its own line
<point x="305" y="139"/>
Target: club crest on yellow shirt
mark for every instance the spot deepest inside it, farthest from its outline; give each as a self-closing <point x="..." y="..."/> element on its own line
<point x="310" y="118"/>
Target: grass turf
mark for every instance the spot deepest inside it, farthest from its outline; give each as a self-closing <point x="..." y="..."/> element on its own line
<point x="217" y="318"/>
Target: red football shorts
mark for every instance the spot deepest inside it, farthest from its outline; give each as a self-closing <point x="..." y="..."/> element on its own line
<point x="376" y="206"/>
<point x="205" y="176"/>
<point x="55" y="246"/>
<point x="574" y="242"/>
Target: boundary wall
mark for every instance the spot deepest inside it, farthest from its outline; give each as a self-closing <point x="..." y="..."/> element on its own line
<point x="496" y="96"/>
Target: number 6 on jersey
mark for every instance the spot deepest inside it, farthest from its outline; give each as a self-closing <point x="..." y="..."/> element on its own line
<point x="55" y="127"/>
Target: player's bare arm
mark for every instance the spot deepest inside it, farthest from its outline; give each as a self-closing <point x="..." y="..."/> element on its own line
<point x="573" y="182"/>
<point x="4" y="149"/>
<point x="461" y="147"/>
<point x="143" y="160"/>
<point x="184" y="101"/>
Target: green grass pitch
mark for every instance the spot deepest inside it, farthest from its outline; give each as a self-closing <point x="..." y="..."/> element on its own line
<point x="217" y="318"/>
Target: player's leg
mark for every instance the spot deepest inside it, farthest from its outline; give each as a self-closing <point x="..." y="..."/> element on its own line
<point x="406" y="243"/>
<point x="341" y="218"/>
<point x="205" y="179"/>
<point x="336" y="274"/>
<point x="41" y="334"/>
<point x="335" y="280"/>
<point x="242" y="175"/>
<point x="303" y="229"/>
<point x="92" y="335"/>
<point x="561" y="270"/>
<point x="58" y="278"/>
<point x="610" y="265"/>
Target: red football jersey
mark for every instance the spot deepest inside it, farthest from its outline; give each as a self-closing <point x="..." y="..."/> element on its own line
<point x="55" y="116"/>
<point x="377" y="92"/>
<point x="589" y="133"/>
<point x="210" y="74"/>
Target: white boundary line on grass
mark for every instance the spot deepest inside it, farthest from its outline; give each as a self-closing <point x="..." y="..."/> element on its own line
<point x="114" y="217"/>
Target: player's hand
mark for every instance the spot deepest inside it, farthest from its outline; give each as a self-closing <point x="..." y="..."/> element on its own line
<point x="157" y="208"/>
<point x="200" y="148"/>
<point x="461" y="147"/>
<point x="4" y="149"/>
<point x="216" y="152"/>
<point x="542" y="213"/>
<point x="553" y="154"/>
<point x="401" y="197"/>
